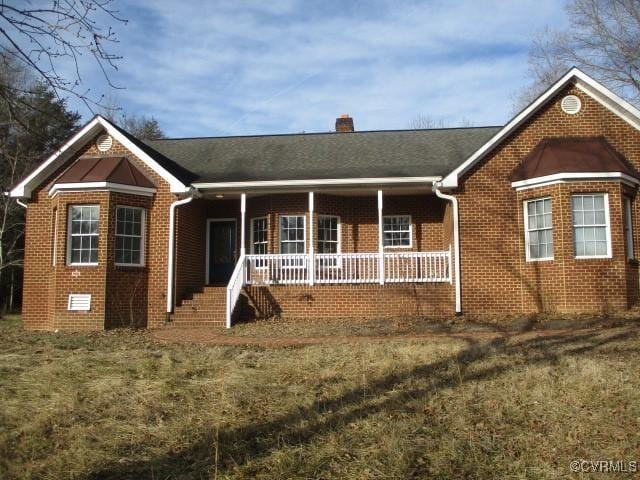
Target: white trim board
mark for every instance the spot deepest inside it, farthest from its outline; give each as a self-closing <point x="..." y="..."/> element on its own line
<point x="586" y="84"/>
<point x="574" y="177"/>
<point x="93" y="186"/>
<point x="75" y="143"/>
<point x="317" y="182"/>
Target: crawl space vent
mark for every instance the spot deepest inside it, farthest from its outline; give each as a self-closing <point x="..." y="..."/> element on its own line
<point x="571" y="104"/>
<point x="104" y="142"/>
<point x="79" y="302"/>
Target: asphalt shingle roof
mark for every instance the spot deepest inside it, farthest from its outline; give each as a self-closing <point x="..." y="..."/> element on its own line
<point x="397" y="153"/>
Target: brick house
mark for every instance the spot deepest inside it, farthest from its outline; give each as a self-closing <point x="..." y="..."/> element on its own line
<point x="538" y="215"/>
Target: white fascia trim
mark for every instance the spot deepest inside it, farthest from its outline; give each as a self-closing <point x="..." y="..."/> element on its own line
<point x="176" y="185"/>
<point x="573" y="177"/>
<point x="316" y="182"/>
<point x="24" y="188"/>
<point x="92" y="186"/>
<point x="587" y="84"/>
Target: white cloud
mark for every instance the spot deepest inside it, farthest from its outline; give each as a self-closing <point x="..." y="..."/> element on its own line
<point x="217" y="68"/>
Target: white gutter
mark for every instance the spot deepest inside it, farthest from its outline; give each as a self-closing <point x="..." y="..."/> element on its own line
<point x="330" y="182"/>
<point x="456" y="242"/>
<point x="171" y="259"/>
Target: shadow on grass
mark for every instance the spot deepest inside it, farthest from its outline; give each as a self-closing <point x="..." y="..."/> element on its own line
<point x="388" y="393"/>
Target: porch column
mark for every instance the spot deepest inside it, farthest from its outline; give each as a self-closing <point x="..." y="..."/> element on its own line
<point x="380" y="241"/>
<point x="311" y="270"/>
<point x="243" y="211"/>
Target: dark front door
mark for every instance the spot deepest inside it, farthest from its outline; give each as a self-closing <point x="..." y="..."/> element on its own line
<point x="222" y="251"/>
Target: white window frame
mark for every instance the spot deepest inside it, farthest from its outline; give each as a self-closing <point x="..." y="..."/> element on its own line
<point x="54" y="250"/>
<point x="527" y="230"/>
<point x="628" y="227"/>
<point x="338" y="233"/>
<point x="284" y="263"/>
<point x="69" y="236"/>
<point x="266" y="242"/>
<point x="410" y="232"/>
<point x="143" y="235"/>
<point x="260" y="264"/>
<point x="607" y="226"/>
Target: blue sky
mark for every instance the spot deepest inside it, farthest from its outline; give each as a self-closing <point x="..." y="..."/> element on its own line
<point x="282" y="66"/>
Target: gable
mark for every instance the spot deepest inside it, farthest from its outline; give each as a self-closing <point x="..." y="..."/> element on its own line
<point x="82" y="140"/>
<point x="575" y="79"/>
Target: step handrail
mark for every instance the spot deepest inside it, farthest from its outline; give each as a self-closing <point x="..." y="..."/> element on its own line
<point x="234" y="287"/>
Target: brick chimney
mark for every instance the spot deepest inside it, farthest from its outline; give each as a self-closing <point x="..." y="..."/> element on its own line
<point x="344" y="123"/>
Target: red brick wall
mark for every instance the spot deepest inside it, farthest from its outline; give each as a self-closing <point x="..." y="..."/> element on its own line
<point x="323" y="302"/>
<point x="46" y="288"/>
<point x="496" y="278"/>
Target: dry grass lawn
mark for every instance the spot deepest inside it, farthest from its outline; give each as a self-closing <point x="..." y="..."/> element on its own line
<point x="117" y="405"/>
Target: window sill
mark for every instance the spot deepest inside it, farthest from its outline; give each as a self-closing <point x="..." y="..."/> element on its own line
<point x="81" y="265"/>
<point x="534" y="260"/>
<point x="127" y="266"/>
<point x="594" y="257"/>
<point x="398" y="247"/>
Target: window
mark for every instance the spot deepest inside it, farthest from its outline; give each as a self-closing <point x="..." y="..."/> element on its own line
<point x="397" y="231"/>
<point x="259" y="231"/>
<point x="130" y="236"/>
<point x="538" y="229"/>
<point x="292" y="234"/>
<point x="54" y="235"/>
<point x="628" y="228"/>
<point x="328" y="234"/>
<point x="259" y="236"/>
<point x="83" y="235"/>
<point x="591" y="225"/>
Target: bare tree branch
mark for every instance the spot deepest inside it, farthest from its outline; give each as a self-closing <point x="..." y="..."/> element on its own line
<point x="603" y="39"/>
<point x="44" y="39"/>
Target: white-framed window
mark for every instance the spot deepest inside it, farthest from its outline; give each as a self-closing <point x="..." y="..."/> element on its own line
<point x="591" y="233"/>
<point x="130" y="222"/>
<point x="628" y="228"/>
<point x="54" y="235"/>
<point x="259" y="235"/>
<point x="82" y="241"/>
<point x="292" y="233"/>
<point x="292" y="239"/>
<point x="396" y="231"/>
<point x="259" y="239"/>
<point x="328" y="234"/>
<point x="538" y="223"/>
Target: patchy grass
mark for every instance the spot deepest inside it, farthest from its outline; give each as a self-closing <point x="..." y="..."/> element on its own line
<point x="116" y="405"/>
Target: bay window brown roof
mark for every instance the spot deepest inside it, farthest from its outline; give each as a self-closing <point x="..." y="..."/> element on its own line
<point x="572" y="155"/>
<point x="105" y="169"/>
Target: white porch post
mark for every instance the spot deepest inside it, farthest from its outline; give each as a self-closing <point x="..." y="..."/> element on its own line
<point x="243" y="211"/>
<point x="311" y="269"/>
<point x="380" y="241"/>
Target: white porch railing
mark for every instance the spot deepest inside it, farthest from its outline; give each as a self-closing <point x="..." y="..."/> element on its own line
<point x="234" y="288"/>
<point x="292" y="269"/>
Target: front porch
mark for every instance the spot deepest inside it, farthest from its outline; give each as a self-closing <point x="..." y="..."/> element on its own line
<point x="263" y="246"/>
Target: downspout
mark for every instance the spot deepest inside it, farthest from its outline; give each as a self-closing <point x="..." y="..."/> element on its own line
<point x="171" y="259"/>
<point x="456" y="242"/>
<point x="21" y="203"/>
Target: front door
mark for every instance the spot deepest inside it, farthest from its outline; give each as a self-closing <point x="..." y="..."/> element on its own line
<point x="222" y="250"/>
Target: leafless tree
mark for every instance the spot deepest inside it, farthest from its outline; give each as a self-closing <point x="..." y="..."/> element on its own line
<point x="603" y="39"/>
<point x="45" y="36"/>
<point x="424" y="122"/>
